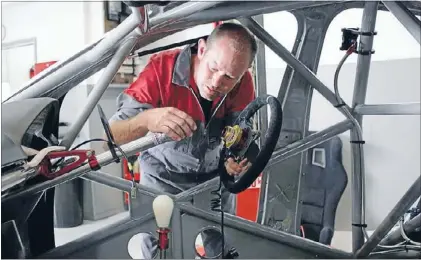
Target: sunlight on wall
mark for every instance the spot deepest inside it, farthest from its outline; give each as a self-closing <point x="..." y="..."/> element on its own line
<point x="392" y="41"/>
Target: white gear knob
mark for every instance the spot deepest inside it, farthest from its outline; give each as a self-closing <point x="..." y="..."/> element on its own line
<point x="163" y="207"/>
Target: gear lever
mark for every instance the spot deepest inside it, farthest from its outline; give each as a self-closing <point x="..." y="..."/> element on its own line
<point x="163" y="207"/>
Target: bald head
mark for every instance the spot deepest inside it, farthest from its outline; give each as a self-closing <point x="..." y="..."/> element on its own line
<point x="237" y="36"/>
<point x="223" y="59"/>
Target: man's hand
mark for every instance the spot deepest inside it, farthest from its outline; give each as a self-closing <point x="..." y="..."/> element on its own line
<point x="235" y="169"/>
<point x="170" y="121"/>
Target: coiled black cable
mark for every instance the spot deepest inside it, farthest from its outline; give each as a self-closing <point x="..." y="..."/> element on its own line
<point x="216" y="206"/>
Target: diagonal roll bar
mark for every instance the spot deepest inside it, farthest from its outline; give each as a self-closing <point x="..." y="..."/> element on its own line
<point x="103" y="159"/>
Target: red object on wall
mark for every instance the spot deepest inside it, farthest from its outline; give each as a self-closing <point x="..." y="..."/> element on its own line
<point x="248" y="201"/>
<point x="38" y="67"/>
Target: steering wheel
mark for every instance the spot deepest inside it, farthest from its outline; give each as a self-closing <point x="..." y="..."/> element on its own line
<point x="238" y="138"/>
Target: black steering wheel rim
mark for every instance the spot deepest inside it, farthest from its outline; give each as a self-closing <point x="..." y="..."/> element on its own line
<point x="268" y="146"/>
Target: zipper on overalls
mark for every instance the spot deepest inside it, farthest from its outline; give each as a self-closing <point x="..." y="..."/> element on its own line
<point x="203" y="113"/>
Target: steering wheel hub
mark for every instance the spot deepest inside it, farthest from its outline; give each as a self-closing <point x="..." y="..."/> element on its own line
<point x="238" y="138"/>
<point x="233" y="136"/>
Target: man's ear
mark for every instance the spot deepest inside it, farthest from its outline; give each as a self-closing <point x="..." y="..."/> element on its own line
<point x="201" y="48"/>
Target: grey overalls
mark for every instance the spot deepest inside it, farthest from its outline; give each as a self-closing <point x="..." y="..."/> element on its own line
<point x="174" y="167"/>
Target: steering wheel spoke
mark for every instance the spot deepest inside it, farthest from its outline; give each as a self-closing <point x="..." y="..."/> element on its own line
<point x="239" y="138"/>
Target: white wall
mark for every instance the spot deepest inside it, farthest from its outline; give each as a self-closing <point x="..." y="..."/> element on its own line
<point x="391" y="42"/>
<point x="57" y="26"/>
<point x="392" y="148"/>
<point x="61" y="29"/>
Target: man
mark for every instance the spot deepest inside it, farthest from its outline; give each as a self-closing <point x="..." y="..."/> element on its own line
<point x="190" y="95"/>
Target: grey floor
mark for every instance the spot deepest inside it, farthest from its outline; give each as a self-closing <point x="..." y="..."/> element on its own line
<point x="66" y="235"/>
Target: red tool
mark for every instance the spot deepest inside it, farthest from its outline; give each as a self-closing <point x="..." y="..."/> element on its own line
<point x="45" y="166"/>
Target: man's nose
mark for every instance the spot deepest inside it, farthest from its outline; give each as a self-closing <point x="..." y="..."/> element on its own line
<point x="217" y="78"/>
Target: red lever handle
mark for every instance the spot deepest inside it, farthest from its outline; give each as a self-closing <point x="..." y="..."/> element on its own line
<point x="45" y="167"/>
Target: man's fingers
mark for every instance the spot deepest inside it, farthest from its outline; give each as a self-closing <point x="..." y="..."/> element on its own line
<point x="229" y="170"/>
<point x="182" y="124"/>
<point x="235" y="169"/>
<point x="246" y="168"/>
<point x="243" y="162"/>
<point x="179" y="122"/>
<point x="176" y="128"/>
<point x="232" y="170"/>
<point x="185" y="117"/>
<point x="230" y="160"/>
<point x="232" y="167"/>
<point x="170" y="132"/>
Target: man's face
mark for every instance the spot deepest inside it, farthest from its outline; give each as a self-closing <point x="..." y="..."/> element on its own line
<point x="220" y="68"/>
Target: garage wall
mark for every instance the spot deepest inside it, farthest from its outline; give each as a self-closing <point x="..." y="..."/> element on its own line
<point x="60" y="30"/>
<point x="392" y="149"/>
<point x="56" y="25"/>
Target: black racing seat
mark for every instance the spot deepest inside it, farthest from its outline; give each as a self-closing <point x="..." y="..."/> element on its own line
<point x="325" y="180"/>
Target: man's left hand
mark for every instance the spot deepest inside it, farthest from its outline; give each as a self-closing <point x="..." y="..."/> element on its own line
<point x="235" y="169"/>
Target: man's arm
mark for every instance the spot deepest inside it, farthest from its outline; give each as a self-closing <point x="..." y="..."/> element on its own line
<point x="134" y="120"/>
<point x="128" y="130"/>
<point x="139" y="111"/>
<point x="130" y="121"/>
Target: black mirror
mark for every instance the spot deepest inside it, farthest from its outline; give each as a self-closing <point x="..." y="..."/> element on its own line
<point x="208" y="243"/>
<point x="143" y="246"/>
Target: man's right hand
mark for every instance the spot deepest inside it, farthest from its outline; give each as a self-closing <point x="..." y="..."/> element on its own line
<point x="170" y="121"/>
